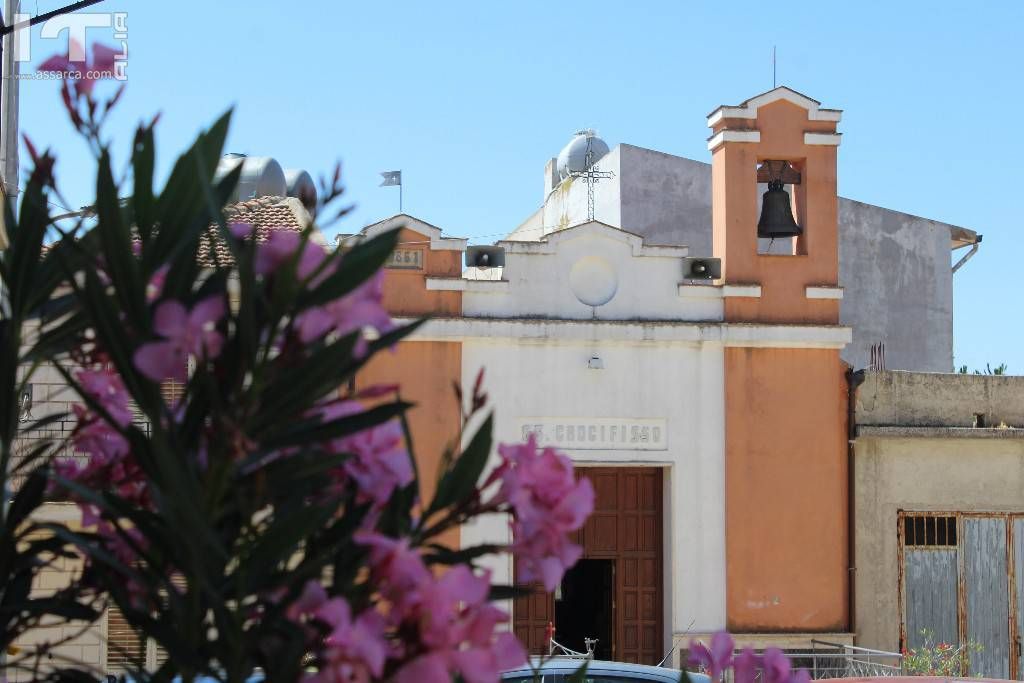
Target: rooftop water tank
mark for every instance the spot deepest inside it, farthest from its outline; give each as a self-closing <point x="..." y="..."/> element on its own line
<point x="301" y="186"/>
<point x="261" y="176"/>
<point x="582" y="152"/>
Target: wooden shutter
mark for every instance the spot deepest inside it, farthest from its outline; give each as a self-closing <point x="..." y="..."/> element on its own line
<point x="124" y="645"/>
<point x="171" y="391"/>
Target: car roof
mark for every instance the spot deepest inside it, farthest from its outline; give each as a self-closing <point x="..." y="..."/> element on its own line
<point x="573" y="663"/>
<point x="913" y="679"/>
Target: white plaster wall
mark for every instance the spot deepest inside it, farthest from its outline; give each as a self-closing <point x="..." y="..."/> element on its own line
<point x="678" y="382"/>
<point x="80" y="644"/>
<point x="647" y="283"/>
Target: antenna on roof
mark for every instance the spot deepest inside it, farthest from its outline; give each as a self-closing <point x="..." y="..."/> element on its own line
<point x="773" y="67"/>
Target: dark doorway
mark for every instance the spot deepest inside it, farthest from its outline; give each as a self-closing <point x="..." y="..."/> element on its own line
<point x="583" y="607"/>
<point x="622" y="541"/>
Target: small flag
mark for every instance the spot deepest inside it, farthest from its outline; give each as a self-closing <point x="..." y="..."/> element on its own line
<point x="391" y="178"/>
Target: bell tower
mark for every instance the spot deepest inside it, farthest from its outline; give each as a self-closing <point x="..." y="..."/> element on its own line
<point x="774" y="217"/>
<point x="787" y="143"/>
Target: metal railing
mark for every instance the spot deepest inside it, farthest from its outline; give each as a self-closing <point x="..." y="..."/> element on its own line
<point x="837" y="660"/>
<point x="825" y="659"/>
<point x="556" y="649"/>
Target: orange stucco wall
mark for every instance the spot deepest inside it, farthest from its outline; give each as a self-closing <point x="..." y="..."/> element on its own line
<point x="786" y="481"/>
<point x="405" y="291"/>
<point x="425" y="370"/>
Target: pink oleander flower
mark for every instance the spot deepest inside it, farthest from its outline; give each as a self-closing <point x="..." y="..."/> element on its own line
<point x="359" y="309"/>
<point x="106" y="387"/>
<point x="770" y="667"/>
<point x="778" y="669"/>
<point x="716" y="659"/>
<point x="380" y="464"/>
<point x="745" y="666"/>
<point x="120" y="547"/>
<point x="547" y="504"/>
<point x="155" y="286"/>
<point x="98" y="438"/>
<point x="108" y="465"/>
<point x="458" y="631"/>
<point x="452" y="628"/>
<point x="240" y="230"/>
<point x="115" y="542"/>
<point x="439" y="601"/>
<point x="397" y="570"/>
<point x="86" y="72"/>
<point x="186" y="333"/>
<point x="310" y="599"/>
<point x="485" y="664"/>
<point x="281" y="245"/>
<point x="545" y="553"/>
<point x="354" y="650"/>
<point x="475" y="664"/>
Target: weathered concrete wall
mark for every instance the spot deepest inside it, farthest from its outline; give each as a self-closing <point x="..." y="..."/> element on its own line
<point x="666" y="198"/>
<point x="899" y="287"/>
<point x="917" y="399"/>
<point x="895" y="266"/>
<point x="919" y="474"/>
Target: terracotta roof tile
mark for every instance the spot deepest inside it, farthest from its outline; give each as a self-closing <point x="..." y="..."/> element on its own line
<point x="265" y="214"/>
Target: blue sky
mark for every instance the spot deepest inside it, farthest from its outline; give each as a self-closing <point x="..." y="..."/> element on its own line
<point x="469" y="99"/>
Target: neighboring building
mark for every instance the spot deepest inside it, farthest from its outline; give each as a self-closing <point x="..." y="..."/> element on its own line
<point x="895" y="267"/>
<point x="109" y="645"/>
<point x="938" y="489"/>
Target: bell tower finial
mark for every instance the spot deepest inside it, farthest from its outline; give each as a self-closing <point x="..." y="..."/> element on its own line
<point x="778" y="241"/>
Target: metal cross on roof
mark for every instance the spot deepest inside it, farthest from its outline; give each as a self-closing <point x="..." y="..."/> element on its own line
<point x="590" y="175"/>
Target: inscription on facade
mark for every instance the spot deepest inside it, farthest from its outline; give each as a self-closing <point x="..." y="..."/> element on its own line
<point x="407" y="259"/>
<point x="596" y="433"/>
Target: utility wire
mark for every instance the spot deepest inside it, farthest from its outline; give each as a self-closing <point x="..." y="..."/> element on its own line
<point x="46" y="16"/>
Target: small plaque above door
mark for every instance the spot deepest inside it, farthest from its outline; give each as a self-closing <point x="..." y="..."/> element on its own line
<point x="405" y="259"/>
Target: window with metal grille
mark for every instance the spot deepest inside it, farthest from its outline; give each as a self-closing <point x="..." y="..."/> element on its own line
<point x="172" y="391"/>
<point x="929" y="530"/>
<point x="124" y="645"/>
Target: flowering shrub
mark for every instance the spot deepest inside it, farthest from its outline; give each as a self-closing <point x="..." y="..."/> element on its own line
<point x="942" y="659"/>
<point x="267" y="517"/>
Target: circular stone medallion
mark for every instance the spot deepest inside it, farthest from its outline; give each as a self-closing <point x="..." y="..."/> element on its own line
<point x="593" y="280"/>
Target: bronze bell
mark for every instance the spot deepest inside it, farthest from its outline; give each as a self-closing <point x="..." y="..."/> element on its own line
<point x="777" y="214"/>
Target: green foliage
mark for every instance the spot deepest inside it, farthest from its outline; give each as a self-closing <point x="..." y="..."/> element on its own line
<point x="939" y="659"/>
<point x="28" y="302"/>
<point x="218" y="540"/>
<point x="1000" y="369"/>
